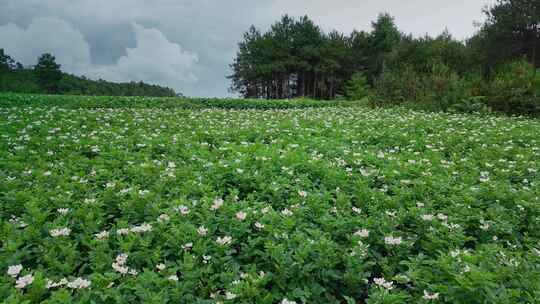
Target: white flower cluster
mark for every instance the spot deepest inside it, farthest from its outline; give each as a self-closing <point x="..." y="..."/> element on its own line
<point x="184" y="210"/>
<point x="17" y="222"/>
<point x="102" y="235"/>
<point x="430" y="296"/>
<point x="78" y="283"/>
<point x="163" y="218"/>
<point x="62" y="211"/>
<point x="226" y="240"/>
<point x="51" y="284"/>
<point x="364" y="233"/>
<point x="14" y="270"/>
<point x="383" y="283"/>
<point x="444" y="219"/>
<point x="187" y="246"/>
<point x="60" y="232"/>
<point x="206" y="259"/>
<point x="202" y="231"/>
<point x="230" y="296"/>
<point x="145" y="227"/>
<point x="24" y="281"/>
<point x="21" y="282"/>
<point x="120" y="265"/>
<point x="241" y="215"/>
<point x="428" y="217"/>
<point x="141" y="228"/>
<point x="286" y="212"/>
<point x="390" y="240"/>
<point x="218" y="202"/>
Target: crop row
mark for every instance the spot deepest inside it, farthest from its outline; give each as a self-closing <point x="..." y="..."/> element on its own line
<point x="67" y="101"/>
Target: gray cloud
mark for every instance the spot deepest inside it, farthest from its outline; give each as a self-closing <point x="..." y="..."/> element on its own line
<point x="67" y="44"/>
<point x="207" y="31"/>
<point x="154" y="58"/>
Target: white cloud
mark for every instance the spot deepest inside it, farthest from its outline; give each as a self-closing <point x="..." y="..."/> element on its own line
<point x="154" y="59"/>
<point x="47" y="35"/>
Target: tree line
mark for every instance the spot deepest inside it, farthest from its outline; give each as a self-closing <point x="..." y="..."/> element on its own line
<point x="47" y="77"/>
<point x="296" y="58"/>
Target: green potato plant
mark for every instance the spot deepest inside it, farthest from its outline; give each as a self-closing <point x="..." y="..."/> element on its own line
<point x="169" y="200"/>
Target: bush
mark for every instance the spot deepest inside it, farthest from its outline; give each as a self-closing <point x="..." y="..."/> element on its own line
<point x="473" y="104"/>
<point x="357" y="87"/>
<point x="397" y="86"/>
<point x="437" y="90"/>
<point x="515" y="89"/>
<point x="442" y="88"/>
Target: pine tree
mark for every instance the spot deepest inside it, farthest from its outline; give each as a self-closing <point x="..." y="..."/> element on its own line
<point x="48" y="73"/>
<point x="513" y="30"/>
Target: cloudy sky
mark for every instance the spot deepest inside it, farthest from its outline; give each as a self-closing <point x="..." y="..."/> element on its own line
<point x="188" y="44"/>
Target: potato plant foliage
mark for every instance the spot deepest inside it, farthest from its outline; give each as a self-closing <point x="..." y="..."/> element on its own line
<point x="291" y="202"/>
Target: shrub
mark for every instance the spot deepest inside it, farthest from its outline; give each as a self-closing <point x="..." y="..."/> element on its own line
<point x="397" y="86"/>
<point x="515" y="89"/>
<point x="442" y="88"/>
<point x="357" y="87"/>
<point x="472" y="104"/>
<point x="437" y="90"/>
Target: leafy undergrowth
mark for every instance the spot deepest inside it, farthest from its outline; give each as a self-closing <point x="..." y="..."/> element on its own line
<point x="312" y="205"/>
